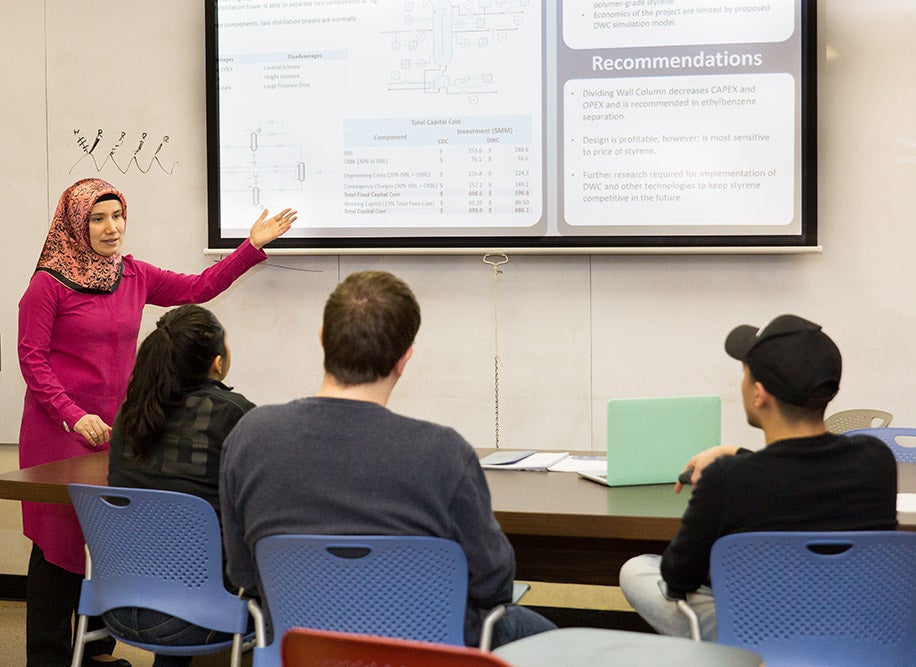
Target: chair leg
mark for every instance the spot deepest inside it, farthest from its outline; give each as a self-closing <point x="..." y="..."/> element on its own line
<point x="83" y="638"/>
<point x="489" y="623"/>
<point x="236" y="660"/>
<point x="692" y="619"/>
<point x="260" y="631"/>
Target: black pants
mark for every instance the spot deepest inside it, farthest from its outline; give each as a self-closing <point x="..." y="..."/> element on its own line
<point x="52" y="596"/>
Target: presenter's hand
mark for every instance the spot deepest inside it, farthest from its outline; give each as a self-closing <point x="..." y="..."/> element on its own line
<point x="264" y="230"/>
<point x="699" y="461"/>
<point x="93" y="429"/>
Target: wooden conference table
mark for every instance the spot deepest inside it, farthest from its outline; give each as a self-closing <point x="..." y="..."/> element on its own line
<point x="564" y="528"/>
<point x="571" y="530"/>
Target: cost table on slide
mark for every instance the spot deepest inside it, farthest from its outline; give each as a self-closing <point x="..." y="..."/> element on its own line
<point x="444" y="167"/>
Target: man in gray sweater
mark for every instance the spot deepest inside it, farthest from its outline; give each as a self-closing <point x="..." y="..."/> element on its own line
<point x="340" y="462"/>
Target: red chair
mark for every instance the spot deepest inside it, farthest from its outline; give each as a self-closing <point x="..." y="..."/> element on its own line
<point x="304" y="647"/>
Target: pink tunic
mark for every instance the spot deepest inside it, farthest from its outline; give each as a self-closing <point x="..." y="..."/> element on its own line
<point x="76" y="352"/>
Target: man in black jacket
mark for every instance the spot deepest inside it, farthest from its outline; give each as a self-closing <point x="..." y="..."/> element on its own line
<point x="803" y="479"/>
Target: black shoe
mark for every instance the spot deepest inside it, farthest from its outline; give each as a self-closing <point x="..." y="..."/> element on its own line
<point x="104" y="660"/>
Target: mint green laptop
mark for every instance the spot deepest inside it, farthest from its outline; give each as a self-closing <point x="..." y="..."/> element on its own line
<point x="650" y="440"/>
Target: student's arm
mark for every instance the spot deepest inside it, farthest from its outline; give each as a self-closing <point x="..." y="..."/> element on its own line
<point x="240" y="568"/>
<point x="685" y="562"/>
<point x="491" y="559"/>
<point x="698" y="462"/>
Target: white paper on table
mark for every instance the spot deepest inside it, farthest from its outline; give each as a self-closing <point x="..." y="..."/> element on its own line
<point x="539" y="461"/>
<point x="906" y="502"/>
<point x="580" y="463"/>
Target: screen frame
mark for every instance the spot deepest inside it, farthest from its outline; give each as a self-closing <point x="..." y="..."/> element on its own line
<point x="805" y="241"/>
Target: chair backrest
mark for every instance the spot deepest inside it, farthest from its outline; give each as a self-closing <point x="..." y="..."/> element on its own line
<point x="408" y="587"/>
<point x="891" y="437"/>
<point x="155" y="549"/>
<point x="318" y="648"/>
<point x="818" y="598"/>
<point x="847" y="420"/>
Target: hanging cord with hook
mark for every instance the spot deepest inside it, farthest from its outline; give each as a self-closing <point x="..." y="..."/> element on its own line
<point x="496" y="260"/>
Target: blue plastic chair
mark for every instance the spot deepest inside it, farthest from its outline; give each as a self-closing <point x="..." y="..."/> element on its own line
<point x="818" y="598"/>
<point x="408" y="587"/>
<point x="889" y="437"/>
<point x="158" y="550"/>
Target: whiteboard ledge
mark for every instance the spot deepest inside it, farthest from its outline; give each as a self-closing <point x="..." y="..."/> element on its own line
<point x="673" y="250"/>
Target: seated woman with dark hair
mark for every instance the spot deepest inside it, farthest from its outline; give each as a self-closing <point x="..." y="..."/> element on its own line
<point x="168" y="434"/>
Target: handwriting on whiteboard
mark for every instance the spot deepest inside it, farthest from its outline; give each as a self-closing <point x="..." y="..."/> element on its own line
<point x="129" y="151"/>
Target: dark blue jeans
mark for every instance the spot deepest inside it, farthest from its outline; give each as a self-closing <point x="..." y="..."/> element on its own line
<point x="153" y="627"/>
<point x="516" y="623"/>
<point x="519" y="622"/>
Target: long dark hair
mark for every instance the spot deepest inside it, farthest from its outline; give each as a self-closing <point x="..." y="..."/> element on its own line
<point x="171" y="360"/>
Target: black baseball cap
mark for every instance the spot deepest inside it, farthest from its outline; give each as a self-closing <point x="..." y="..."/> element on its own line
<point x="791" y="357"/>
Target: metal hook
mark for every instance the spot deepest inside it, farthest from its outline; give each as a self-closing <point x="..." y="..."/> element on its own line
<point x="503" y="258"/>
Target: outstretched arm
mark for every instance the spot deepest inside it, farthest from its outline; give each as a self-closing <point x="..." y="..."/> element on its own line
<point x="167" y="288"/>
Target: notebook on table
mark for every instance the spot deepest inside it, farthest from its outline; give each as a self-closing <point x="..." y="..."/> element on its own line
<point x="650" y="440"/>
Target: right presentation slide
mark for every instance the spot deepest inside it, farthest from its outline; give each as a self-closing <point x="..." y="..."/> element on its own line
<point x="691" y="119"/>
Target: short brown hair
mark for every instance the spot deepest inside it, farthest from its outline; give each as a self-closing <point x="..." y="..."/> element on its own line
<point x="370" y="321"/>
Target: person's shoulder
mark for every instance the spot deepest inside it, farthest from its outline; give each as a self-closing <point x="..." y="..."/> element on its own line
<point x="131" y="266"/>
<point x="43" y="281"/>
<point x="269" y="414"/>
<point x="259" y="428"/>
<point x="38" y="286"/>
<point x="44" y="290"/>
<point x="724" y="466"/>
<point x="418" y="435"/>
<point x="824" y="450"/>
<point x="869" y="445"/>
<point x="732" y="473"/>
<point x="437" y="434"/>
<point x="859" y="439"/>
<point x="849" y="445"/>
<point x="426" y="439"/>
<point x="227" y="395"/>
